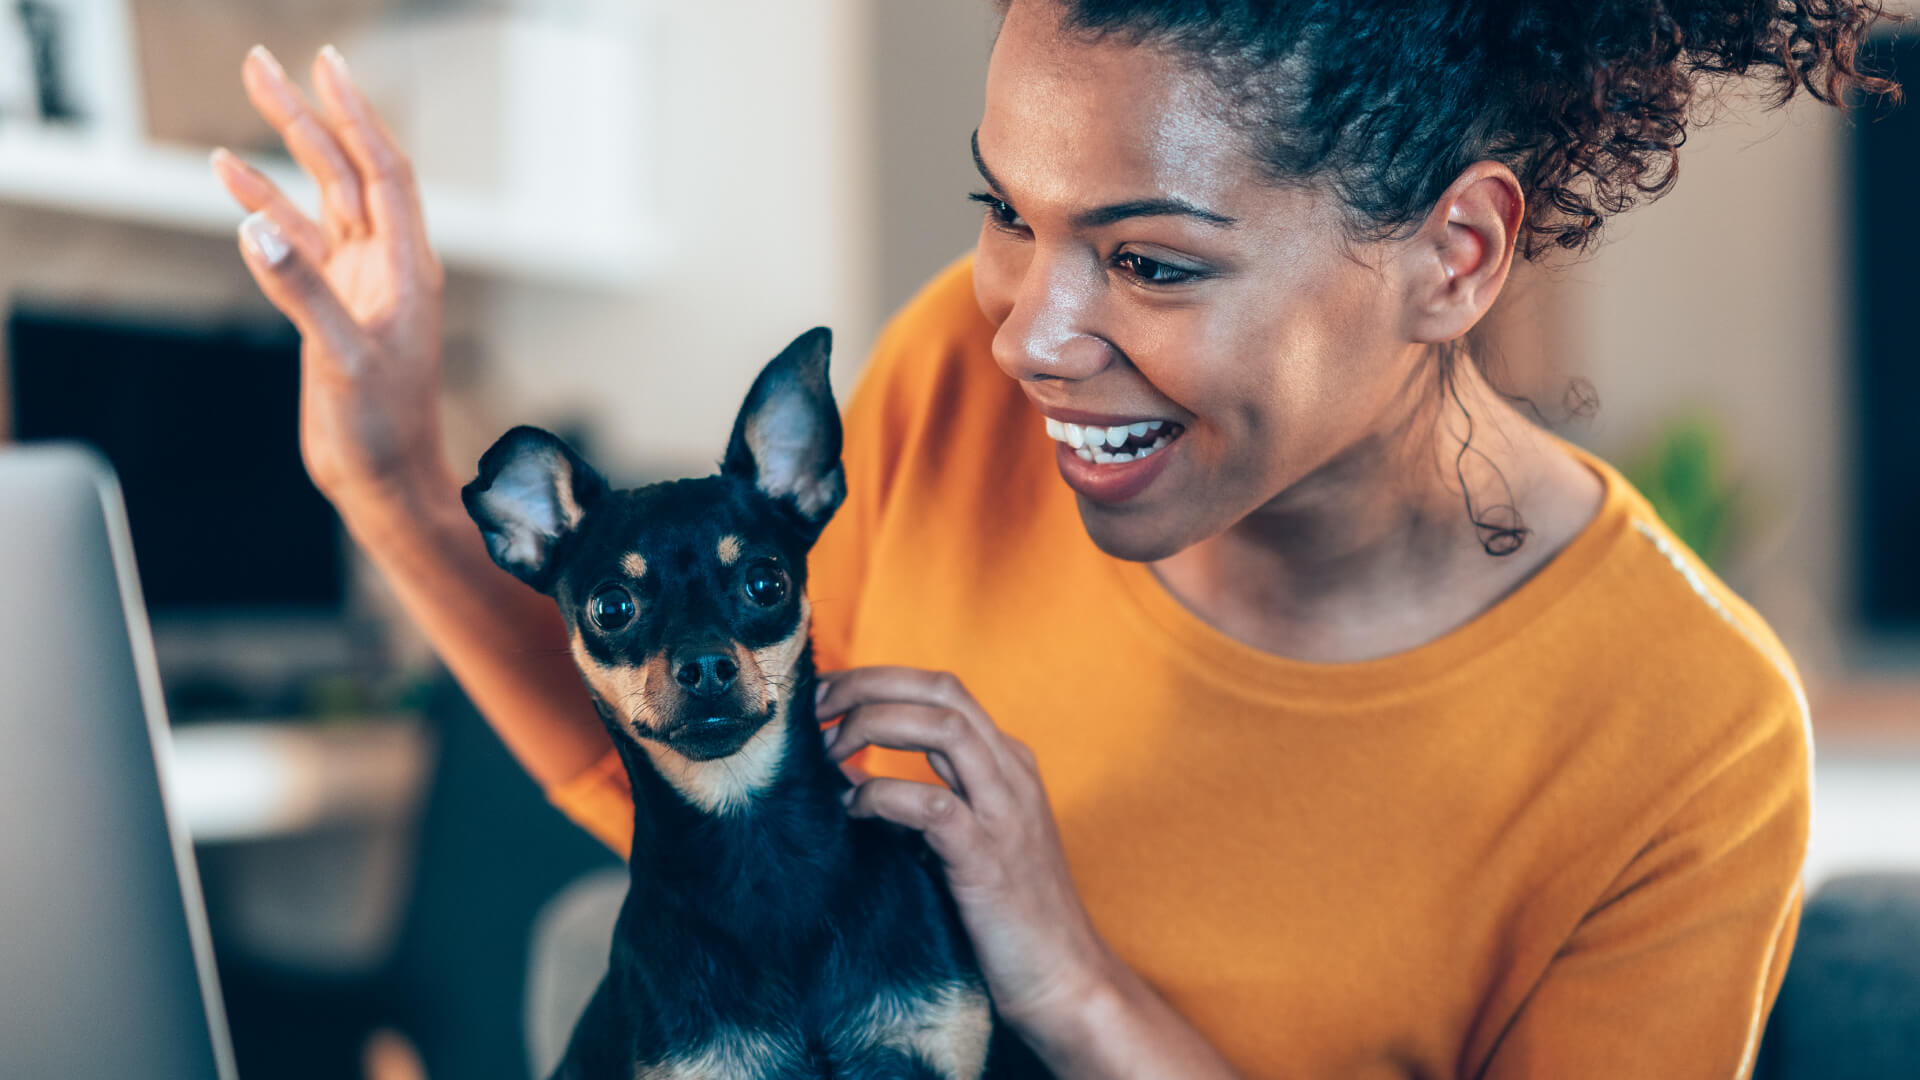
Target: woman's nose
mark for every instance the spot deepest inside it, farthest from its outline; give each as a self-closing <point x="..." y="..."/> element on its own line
<point x="1047" y="332"/>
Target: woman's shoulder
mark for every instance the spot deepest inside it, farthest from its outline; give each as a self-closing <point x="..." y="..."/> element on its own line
<point x="1658" y="614"/>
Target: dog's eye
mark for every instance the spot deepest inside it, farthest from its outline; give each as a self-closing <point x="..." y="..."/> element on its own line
<point x="766" y="583"/>
<point x="611" y="608"/>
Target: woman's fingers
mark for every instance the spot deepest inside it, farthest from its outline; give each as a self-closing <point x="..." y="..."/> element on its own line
<point x="297" y="289"/>
<point x="936" y="689"/>
<point x="954" y="747"/>
<point x="951" y="829"/>
<point x="392" y="195"/>
<point x="253" y="191"/>
<point x="308" y="139"/>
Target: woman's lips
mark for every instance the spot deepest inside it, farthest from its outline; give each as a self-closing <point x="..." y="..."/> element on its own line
<point x="1111" y="459"/>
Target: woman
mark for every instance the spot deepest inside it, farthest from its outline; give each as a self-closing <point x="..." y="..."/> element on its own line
<point x="1381" y="733"/>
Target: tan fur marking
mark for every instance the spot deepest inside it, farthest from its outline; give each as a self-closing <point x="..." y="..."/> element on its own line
<point x="736" y="1054"/>
<point x="627" y="690"/>
<point x="730" y="549"/>
<point x="728" y="783"/>
<point x="634" y="564"/>
<point x="949" y="1029"/>
<point x="776" y="661"/>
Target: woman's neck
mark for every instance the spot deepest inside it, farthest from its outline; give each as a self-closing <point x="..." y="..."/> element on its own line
<point x="1374" y="552"/>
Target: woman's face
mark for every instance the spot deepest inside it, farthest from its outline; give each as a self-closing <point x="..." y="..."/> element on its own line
<point x="1138" y="269"/>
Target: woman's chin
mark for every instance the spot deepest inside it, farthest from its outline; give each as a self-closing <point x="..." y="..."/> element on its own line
<point x="1134" y="534"/>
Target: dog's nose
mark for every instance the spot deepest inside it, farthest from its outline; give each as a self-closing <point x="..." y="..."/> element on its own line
<point x="707" y="675"/>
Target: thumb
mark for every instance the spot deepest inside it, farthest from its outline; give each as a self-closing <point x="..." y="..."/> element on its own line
<point x="295" y="286"/>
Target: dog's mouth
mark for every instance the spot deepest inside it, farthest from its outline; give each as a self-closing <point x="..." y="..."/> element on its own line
<point x="709" y="738"/>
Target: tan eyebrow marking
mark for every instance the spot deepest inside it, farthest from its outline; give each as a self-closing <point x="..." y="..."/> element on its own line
<point x="633" y="564"/>
<point x="730" y="548"/>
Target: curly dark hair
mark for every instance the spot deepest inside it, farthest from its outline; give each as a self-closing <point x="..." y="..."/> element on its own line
<point x="1387" y="101"/>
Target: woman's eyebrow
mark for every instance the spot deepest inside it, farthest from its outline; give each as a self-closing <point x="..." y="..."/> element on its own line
<point x="1107" y="215"/>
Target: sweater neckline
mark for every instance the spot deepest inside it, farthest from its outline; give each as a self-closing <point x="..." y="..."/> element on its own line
<point x="1270" y="675"/>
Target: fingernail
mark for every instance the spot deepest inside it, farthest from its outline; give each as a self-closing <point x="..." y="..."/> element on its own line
<point x="819" y="693"/>
<point x="220" y="154"/>
<point x="846" y="797"/>
<point x="267" y="58"/>
<point x="259" y="233"/>
<point x="339" y="63"/>
<point x="830" y="734"/>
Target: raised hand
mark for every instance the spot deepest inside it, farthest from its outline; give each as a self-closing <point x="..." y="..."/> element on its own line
<point x="361" y="284"/>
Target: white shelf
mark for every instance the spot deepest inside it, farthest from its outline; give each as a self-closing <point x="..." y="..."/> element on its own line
<point x="254" y="781"/>
<point x="174" y="187"/>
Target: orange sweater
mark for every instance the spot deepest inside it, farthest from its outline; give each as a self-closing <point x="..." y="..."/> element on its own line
<point x="1562" y="841"/>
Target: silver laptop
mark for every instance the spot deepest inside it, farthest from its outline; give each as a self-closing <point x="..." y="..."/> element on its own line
<point x="106" y="966"/>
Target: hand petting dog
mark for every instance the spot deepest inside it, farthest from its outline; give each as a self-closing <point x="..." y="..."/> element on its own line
<point x="1050" y="975"/>
<point x="991" y="826"/>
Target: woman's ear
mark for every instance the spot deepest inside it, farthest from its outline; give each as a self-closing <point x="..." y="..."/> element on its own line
<point x="532" y="493"/>
<point x="1455" y="266"/>
<point x="786" y="440"/>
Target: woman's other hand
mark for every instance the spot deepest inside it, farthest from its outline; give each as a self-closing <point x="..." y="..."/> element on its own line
<point x="991" y="826"/>
<point x="1051" y="976"/>
<point x="361" y="284"/>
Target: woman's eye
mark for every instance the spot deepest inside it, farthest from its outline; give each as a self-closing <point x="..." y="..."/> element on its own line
<point x="1152" y="271"/>
<point x="766" y="584"/>
<point x="999" y="212"/>
<point x="611" y="608"/>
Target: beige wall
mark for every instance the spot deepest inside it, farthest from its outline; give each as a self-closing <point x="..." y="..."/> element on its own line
<point x="930" y="67"/>
<point x="1730" y="296"/>
<point x="761" y="169"/>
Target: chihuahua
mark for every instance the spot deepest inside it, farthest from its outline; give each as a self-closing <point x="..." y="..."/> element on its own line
<point x="765" y="933"/>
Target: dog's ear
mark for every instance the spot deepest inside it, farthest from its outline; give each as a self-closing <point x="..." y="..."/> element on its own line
<point x="786" y="440"/>
<point x="532" y="493"/>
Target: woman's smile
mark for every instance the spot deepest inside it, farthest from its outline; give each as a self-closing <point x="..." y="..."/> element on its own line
<point x="1110" y="458"/>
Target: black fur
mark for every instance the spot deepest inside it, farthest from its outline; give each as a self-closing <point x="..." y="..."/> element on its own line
<point x="782" y="928"/>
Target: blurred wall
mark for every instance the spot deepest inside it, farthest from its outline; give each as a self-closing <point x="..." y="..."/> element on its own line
<point x="760" y="162"/>
<point x="1730" y="296"/>
<point x="930" y="75"/>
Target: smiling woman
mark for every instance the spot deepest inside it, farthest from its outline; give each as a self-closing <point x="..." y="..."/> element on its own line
<point x="1329" y="719"/>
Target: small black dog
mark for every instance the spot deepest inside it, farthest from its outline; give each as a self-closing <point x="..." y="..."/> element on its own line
<point x="765" y="933"/>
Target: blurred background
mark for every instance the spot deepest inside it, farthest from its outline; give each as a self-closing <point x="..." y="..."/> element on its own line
<point x="638" y="203"/>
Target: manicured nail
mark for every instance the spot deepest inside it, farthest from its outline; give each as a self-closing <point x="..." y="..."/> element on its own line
<point x="830" y="734"/>
<point x="267" y="58"/>
<point x="260" y="234"/>
<point x="846" y="796"/>
<point x="220" y="154"/>
<point x="819" y="693"/>
<point x="339" y="63"/>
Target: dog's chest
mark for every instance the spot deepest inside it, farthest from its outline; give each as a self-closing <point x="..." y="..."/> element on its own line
<point x="944" y="1028"/>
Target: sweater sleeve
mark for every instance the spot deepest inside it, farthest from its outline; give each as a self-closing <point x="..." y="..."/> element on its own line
<point x="1674" y="972"/>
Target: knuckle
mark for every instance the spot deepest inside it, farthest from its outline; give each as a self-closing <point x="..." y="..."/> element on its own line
<point x="395" y="168"/>
<point x="948" y="686"/>
<point x="943" y="810"/>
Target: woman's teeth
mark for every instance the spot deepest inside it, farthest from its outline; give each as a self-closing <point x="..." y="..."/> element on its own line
<point x="1112" y="445"/>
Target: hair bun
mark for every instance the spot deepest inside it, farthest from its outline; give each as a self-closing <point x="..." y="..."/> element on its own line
<point x="1602" y="92"/>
